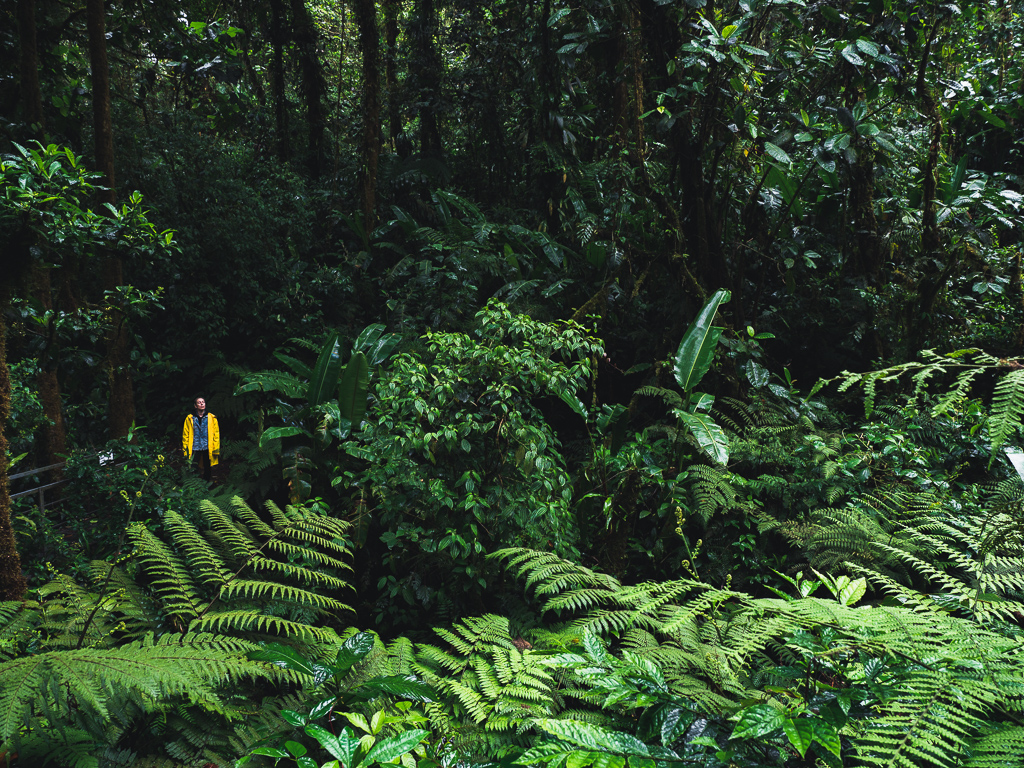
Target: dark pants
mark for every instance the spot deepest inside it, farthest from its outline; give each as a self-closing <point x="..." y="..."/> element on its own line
<point x="201" y="459"/>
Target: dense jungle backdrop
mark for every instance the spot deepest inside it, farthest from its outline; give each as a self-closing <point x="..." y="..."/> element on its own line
<point x="601" y="383"/>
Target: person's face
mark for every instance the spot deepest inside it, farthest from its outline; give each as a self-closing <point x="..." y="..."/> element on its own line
<point x="200" y="404"/>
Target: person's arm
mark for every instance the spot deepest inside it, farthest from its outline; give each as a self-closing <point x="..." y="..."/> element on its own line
<point x="186" y="438"/>
<point x="214" y="437"/>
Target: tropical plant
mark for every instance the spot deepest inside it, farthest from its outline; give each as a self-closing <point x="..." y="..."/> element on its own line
<point x="692" y="361"/>
<point x="457" y="454"/>
<point x="379" y="708"/>
<point x="323" y="403"/>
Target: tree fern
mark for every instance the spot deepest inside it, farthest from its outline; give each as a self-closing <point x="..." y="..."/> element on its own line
<point x="79" y="660"/>
<point x="952" y="684"/>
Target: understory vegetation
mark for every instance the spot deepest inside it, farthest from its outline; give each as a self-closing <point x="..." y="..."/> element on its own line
<point x="601" y="384"/>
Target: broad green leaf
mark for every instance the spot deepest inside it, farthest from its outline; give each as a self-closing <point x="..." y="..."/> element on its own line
<point x="325" y="372"/>
<point x="850" y="594"/>
<point x="777" y="153"/>
<point x="387" y="750"/>
<point x="800" y="733"/>
<point x="850" y="54"/>
<point x="757" y="721"/>
<point x="826" y="735"/>
<point x="707" y="433"/>
<point x="276" y="433"/>
<point x="288" y="658"/>
<point x="353" y="650"/>
<point x="604" y="760"/>
<point x="342" y="746"/>
<point x="294" y="718"/>
<point x="375" y="344"/>
<point x="370" y="335"/>
<point x="955" y="181"/>
<point x="757" y="374"/>
<point x="404" y="686"/>
<point x="701" y="401"/>
<point x="352" y="389"/>
<point x="868" y="48"/>
<point x="270" y="752"/>
<point x="573" y="402"/>
<point x="697" y="349"/>
<point x="593" y="737"/>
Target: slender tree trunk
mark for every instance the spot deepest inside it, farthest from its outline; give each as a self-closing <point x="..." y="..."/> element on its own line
<point x="33" y="100"/>
<point x="391" y="9"/>
<point x="550" y="180"/>
<point x="429" y="77"/>
<point x="369" y="42"/>
<point x="313" y="85"/>
<point x="278" y="37"/>
<point x="53" y="437"/>
<point x="624" y="70"/>
<point x="12" y="580"/>
<point x="52" y="443"/>
<point x="122" y="399"/>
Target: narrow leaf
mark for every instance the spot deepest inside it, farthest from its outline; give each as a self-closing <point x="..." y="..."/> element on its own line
<point x="325" y="372"/>
<point x="352" y="389"/>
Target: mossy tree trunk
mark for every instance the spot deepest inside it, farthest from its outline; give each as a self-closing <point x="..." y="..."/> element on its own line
<point x="12" y="580"/>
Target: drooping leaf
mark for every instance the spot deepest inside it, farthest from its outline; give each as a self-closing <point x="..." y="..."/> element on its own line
<point x="287" y="658"/>
<point x="594" y="736"/>
<point x="342" y="746"/>
<point x="696" y="350"/>
<point x="352" y="389"/>
<point x="276" y="433"/>
<point x="352" y="651"/>
<point x="403" y="686"/>
<point x="777" y="153"/>
<point x="387" y="750"/>
<point x="708" y="434"/>
<point x="800" y="733"/>
<point x="375" y="344"/>
<point x="325" y="372"/>
<point x="757" y="721"/>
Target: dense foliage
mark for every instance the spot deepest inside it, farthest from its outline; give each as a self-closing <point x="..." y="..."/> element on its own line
<point x="626" y="384"/>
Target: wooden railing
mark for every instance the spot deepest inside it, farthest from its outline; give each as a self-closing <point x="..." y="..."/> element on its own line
<point x="43" y="503"/>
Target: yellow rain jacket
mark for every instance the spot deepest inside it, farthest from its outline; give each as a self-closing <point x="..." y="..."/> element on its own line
<point x="212" y="438"/>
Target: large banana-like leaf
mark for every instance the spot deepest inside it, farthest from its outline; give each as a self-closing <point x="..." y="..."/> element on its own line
<point x="696" y="350"/>
<point x="325" y="372"/>
<point x="276" y="433"/>
<point x="352" y="389"/>
<point x="707" y="433"/>
<point x="377" y="345"/>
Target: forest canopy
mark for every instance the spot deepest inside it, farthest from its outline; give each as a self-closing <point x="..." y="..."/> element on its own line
<point x="612" y="383"/>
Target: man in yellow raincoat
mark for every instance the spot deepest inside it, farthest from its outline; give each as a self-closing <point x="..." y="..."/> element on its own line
<point x="201" y="438"/>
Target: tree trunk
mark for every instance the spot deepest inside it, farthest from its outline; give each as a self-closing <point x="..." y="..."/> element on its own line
<point x="122" y="400"/>
<point x="52" y="442"/>
<point x="429" y="78"/>
<point x="12" y="580"/>
<point x="33" y="99"/>
<point x="53" y="437"/>
<point x="391" y="9"/>
<point x="278" y="36"/>
<point x="369" y="42"/>
<point x="313" y="86"/>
